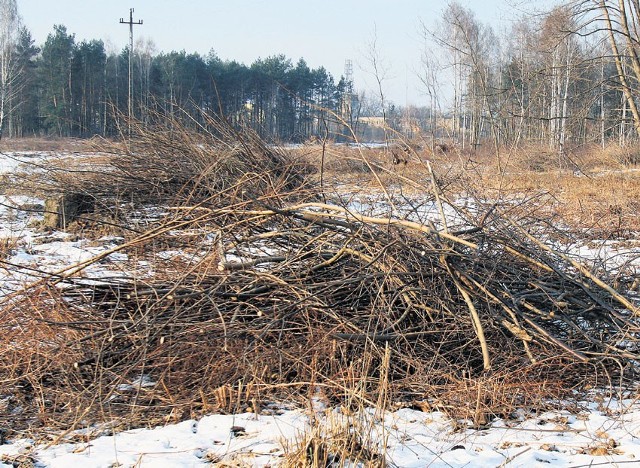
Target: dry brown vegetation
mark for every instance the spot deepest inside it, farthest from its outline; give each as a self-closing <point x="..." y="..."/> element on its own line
<point x="50" y="144"/>
<point x="287" y="287"/>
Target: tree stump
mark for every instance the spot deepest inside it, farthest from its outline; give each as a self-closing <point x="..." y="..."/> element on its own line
<point x="62" y="210"/>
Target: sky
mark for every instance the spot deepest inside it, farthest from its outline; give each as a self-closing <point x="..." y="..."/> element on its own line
<point x="324" y="33"/>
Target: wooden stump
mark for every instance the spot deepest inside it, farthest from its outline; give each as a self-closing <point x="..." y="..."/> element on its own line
<point x="62" y="210"/>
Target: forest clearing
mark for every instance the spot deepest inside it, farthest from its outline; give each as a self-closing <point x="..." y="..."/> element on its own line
<point x="205" y="262"/>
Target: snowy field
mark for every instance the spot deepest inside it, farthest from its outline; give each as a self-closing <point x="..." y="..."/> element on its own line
<point x="601" y="432"/>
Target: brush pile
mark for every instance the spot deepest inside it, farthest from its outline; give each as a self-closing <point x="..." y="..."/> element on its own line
<point x="282" y="294"/>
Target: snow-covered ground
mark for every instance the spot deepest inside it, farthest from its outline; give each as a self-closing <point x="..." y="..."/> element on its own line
<point x="600" y="433"/>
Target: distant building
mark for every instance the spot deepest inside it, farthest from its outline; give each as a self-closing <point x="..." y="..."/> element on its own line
<point x="372" y="121"/>
<point x="371" y="129"/>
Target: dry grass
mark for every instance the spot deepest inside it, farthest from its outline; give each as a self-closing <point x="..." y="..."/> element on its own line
<point x="602" y="205"/>
<point x="594" y="194"/>
<point x="49" y="144"/>
<point x="7" y="247"/>
<point x="349" y="435"/>
<point x="344" y="441"/>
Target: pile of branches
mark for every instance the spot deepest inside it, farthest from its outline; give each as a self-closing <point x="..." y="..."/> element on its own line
<point x="287" y="299"/>
<point x="218" y="163"/>
<point x="162" y="162"/>
<point x="284" y="295"/>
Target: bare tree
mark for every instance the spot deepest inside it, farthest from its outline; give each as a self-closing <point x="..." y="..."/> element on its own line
<point x="558" y="45"/>
<point x="429" y="78"/>
<point x="621" y="20"/>
<point x="520" y="84"/>
<point x="9" y="65"/>
<point x="145" y="50"/>
<point x="472" y="47"/>
<point x="379" y="70"/>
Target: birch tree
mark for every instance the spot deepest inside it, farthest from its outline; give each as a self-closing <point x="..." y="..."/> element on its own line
<point x="430" y="69"/>
<point x="23" y="119"/>
<point x="560" y="50"/>
<point x="621" y="19"/>
<point x="9" y="70"/>
<point x="473" y="47"/>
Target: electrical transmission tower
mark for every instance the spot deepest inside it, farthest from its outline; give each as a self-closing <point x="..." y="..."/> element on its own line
<point x="348" y="74"/>
<point x="131" y="23"/>
<point x="348" y="98"/>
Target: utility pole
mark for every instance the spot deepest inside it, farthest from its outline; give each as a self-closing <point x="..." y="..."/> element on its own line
<point x="131" y="23"/>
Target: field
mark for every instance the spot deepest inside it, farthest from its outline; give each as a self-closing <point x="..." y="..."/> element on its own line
<point x="385" y="305"/>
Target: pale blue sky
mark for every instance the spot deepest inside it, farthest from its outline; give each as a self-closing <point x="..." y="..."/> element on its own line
<point x="323" y="32"/>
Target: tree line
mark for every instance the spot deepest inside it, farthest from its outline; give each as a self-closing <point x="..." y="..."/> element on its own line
<point x="68" y="88"/>
<point x="562" y="78"/>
